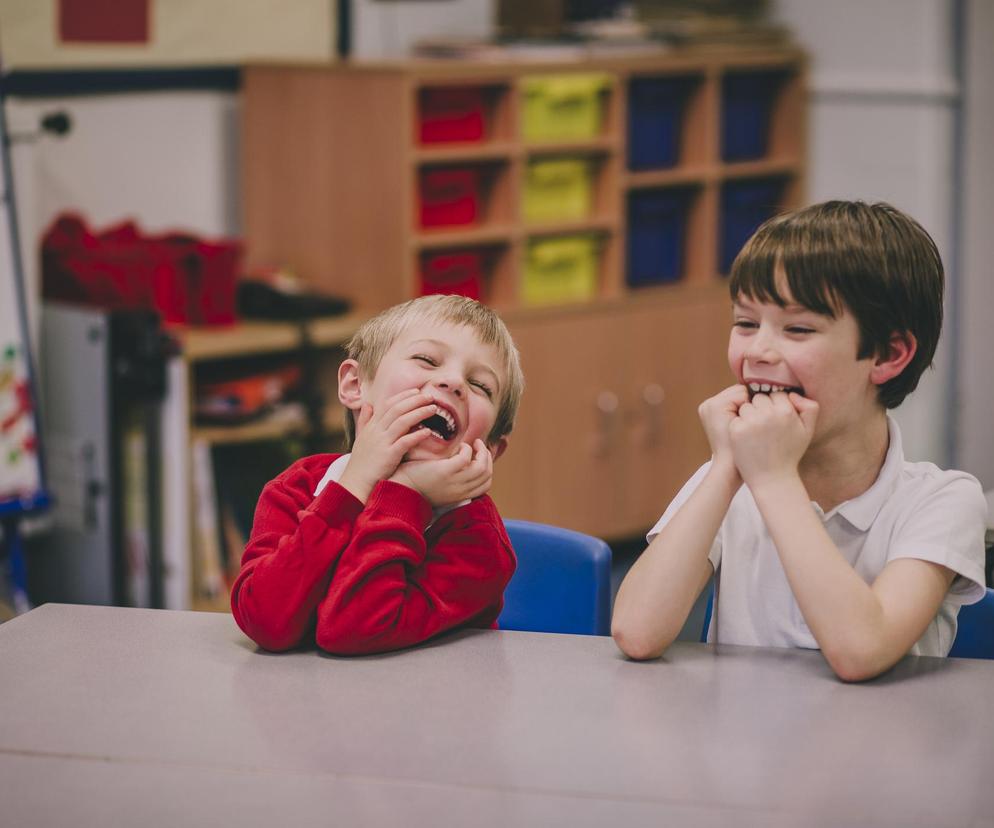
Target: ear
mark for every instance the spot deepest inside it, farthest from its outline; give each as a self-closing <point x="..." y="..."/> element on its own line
<point x="350" y="385"/>
<point x="498" y="448"/>
<point x="900" y="351"/>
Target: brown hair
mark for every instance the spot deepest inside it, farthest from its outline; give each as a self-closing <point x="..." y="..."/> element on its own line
<point x="871" y="259"/>
<point x="375" y="336"/>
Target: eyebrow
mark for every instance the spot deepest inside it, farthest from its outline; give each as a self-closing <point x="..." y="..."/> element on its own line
<point x="482" y="366"/>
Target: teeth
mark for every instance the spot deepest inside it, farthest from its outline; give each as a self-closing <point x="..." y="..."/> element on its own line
<point x="449" y="419"/>
<point x="766" y="387"/>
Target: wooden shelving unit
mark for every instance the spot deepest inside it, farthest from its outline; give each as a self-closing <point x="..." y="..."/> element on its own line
<point x="608" y="428"/>
<point x="225" y="348"/>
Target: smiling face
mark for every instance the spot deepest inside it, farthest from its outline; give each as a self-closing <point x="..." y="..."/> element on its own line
<point x="450" y="364"/>
<point x="794" y="348"/>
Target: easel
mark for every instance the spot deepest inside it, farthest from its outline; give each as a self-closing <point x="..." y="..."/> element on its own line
<point x="14" y="506"/>
<point x="13" y="558"/>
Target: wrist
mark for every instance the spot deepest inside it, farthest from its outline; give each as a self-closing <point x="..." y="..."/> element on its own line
<point x="723" y="468"/>
<point x="355" y="484"/>
<point x="775" y="487"/>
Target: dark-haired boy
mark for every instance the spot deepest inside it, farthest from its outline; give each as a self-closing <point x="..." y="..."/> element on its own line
<point x="835" y="541"/>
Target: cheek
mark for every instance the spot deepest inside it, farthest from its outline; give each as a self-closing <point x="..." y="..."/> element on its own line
<point x="401" y="380"/>
<point x="482" y="416"/>
<point x="734" y="356"/>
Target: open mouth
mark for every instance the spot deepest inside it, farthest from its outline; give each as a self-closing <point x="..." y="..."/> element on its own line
<point x="770" y="388"/>
<point x="442" y="424"/>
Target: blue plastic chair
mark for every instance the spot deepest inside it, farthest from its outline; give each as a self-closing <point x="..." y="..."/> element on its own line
<point x="562" y="583"/>
<point x="707" y="614"/>
<point x="975" y="630"/>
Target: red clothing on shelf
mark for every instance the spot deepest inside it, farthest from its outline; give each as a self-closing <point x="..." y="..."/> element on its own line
<point x="365" y="579"/>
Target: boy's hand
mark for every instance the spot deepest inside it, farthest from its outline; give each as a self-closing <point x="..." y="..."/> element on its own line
<point x="383" y="438"/>
<point x="716" y="416"/>
<point x="771" y="434"/>
<point x="463" y="476"/>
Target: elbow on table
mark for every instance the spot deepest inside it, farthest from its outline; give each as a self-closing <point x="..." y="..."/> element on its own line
<point x="273" y="639"/>
<point x="856" y="664"/>
<point x="637" y="644"/>
<point x="351" y="640"/>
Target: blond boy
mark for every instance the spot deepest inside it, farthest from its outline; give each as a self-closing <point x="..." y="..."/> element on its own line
<point x="396" y="541"/>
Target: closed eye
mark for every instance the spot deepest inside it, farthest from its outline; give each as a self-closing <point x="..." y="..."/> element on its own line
<point x="483" y="387"/>
<point x="425" y="358"/>
<point x="800" y="329"/>
<point x="744" y="323"/>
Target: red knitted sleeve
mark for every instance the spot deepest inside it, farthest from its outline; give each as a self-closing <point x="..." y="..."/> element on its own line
<point x="291" y="554"/>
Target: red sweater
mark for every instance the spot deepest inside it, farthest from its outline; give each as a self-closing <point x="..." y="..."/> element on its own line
<point x="364" y="579"/>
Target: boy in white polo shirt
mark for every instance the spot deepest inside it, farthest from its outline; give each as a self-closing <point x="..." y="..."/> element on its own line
<point x="835" y="541"/>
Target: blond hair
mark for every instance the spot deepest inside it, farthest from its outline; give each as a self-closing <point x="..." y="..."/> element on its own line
<point x="374" y="338"/>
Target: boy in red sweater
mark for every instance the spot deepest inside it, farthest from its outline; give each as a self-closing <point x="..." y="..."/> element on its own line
<point x="396" y="541"/>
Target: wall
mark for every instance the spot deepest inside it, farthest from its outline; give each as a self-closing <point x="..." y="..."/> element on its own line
<point x="884" y="96"/>
<point x="974" y="403"/>
<point x="388" y="28"/>
<point x="181" y="32"/>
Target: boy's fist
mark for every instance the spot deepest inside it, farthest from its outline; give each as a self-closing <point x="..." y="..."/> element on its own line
<point x="716" y="415"/>
<point x="771" y="434"/>
<point x="463" y="476"/>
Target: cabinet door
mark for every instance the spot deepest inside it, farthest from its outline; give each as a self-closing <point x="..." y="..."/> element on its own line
<point x="676" y="358"/>
<point x="565" y="462"/>
<point x="608" y="428"/>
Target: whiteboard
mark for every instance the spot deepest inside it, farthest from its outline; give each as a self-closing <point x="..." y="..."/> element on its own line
<point x="22" y="483"/>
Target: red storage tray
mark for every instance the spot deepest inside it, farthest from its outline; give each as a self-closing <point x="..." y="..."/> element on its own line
<point x="449" y="196"/>
<point x="458" y="272"/>
<point x="451" y="115"/>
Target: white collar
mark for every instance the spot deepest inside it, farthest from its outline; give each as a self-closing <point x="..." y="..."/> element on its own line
<point x="862" y="510"/>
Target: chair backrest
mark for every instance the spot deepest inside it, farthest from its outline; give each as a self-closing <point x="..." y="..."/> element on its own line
<point x="707" y="614"/>
<point x="562" y="583"/>
<point x="975" y="629"/>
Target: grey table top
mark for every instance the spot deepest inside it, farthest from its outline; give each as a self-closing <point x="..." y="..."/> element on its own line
<point x="112" y="716"/>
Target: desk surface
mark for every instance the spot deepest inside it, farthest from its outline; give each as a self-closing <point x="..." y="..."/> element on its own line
<point x="112" y="716"/>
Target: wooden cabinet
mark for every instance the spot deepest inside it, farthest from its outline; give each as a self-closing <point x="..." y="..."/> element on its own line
<point x="681" y="156"/>
<point x="608" y="428"/>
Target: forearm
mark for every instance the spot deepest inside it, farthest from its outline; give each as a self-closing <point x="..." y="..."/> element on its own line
<point x="660" y="589"/>
<point x="842" y="611"/>
<point x="391" y="590"/>
<point x="288" y="563"/>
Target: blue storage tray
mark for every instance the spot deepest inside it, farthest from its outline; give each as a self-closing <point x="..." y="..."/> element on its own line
<point x="744" y="206"/>
<point x="655" y="118"/>
<point x="746" y="104"/>
<point x="657" y="224"/>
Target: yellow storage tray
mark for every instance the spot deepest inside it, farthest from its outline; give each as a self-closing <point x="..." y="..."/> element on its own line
<point x="562" y="107"/>
<point x="558" y="189"/>
<point x="560" y="269"/>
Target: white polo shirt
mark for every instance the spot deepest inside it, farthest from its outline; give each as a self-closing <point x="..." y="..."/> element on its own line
<point x="912" y="510"/>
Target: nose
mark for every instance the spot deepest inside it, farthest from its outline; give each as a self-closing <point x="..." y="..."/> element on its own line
<point x="762" y="348"/>
<point x="451" y="382"/>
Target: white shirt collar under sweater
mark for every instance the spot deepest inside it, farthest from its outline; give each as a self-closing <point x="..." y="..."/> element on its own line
<point x="337" y="468"/>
